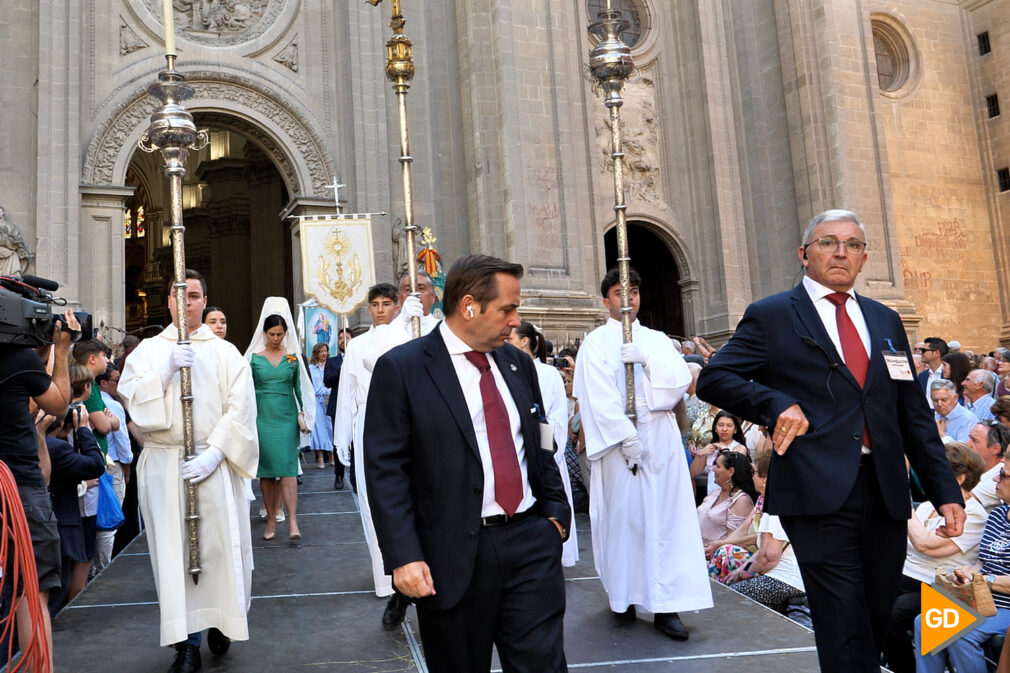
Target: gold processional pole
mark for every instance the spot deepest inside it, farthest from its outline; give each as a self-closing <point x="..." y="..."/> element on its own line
<point x="610" y="65"/>
<point x="399" y="71"/>
<point x="174" y="133"/>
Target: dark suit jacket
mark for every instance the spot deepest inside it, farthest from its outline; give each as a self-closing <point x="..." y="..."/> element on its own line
<point x="781" y="355"/>
<point x="331" y="379"/>
<point x="422" y="466"/>
<point x="69" y="469"/>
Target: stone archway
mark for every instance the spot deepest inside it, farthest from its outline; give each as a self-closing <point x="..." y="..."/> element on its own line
<point x="285" y="134"/>
<point x="666" y="275"/>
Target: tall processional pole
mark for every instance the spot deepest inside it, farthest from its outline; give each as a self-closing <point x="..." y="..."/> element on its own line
<point x="399" y="71"/>
<point x="610" y="65"/>
<point x="173" y="133"/>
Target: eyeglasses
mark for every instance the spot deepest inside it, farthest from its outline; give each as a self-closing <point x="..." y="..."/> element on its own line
<point x="922" y="350"/>
<point x="830" y="244"/>
<point x="1002" y="475"/>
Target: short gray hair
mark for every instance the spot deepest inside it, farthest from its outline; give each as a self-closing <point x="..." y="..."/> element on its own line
<point x="985" y="380"/>
<point x="943" y="384"/>
<point x="832" y="216"/>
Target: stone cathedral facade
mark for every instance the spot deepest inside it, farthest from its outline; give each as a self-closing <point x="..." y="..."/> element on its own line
<point x="745" y="118"/>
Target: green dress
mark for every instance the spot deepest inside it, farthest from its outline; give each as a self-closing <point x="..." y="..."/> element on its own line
<point x="277" y="414"/>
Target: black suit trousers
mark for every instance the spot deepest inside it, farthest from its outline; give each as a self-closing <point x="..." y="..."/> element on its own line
<point x="515" y="601"/>
<point x="851" y="563"/>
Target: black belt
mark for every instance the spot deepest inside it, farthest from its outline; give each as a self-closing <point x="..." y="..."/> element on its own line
<point x="502" y="519"/>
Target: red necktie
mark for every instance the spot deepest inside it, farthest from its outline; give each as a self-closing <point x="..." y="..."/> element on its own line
<point x="853" y="350"/>
<point x="508" y="482"/>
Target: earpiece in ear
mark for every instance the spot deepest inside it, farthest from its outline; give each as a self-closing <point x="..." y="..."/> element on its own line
<point x="469" y="309"/>
<point x="804" y="255"/>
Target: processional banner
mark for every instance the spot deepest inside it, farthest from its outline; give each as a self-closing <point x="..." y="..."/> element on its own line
<point x="337" y="261"/>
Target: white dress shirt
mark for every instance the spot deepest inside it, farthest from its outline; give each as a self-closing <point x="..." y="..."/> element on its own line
<point x="469" y="381"/>
<point x="826" y="312"/>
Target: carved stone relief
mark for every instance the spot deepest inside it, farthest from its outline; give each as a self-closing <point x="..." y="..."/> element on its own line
<point x="288" y="56"/>
<point x="124" y="124"/>
<point x="221" y="22"/>
<point x="129" y="41"/>
<point x="14" y="254"/>
<point x="640" y="140"/>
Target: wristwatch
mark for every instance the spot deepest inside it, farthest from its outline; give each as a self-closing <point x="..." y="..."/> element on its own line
<point x="989" y="579"/>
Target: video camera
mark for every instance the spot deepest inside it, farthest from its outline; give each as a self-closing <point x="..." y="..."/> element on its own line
<point x="26" y="315"/>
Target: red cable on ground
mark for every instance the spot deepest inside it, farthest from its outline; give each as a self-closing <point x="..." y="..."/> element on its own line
<point x="16" y="545"/>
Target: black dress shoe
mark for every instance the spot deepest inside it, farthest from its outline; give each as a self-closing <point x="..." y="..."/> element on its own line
<point x="187" y="659"/>
<point x="670" y="624"/>
<point x="338" y="483"/>
<point x="396" y="610"/>
<point x="628" y="615"/>
<point x="217" y="641"/>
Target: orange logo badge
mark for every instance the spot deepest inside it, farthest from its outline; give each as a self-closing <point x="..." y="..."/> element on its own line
<point x="944" y="619"/>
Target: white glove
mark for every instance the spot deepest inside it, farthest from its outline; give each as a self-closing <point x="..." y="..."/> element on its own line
<point x="630" y="353"/>
<point x="631" y="449"/>
<point x="411" y="308"/>
<point x="202" y="466"/>
<point x="344" y="455"/>
<point x="182" y="356"/>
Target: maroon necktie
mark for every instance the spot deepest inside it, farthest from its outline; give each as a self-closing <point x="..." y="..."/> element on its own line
<point x="853" y="351"/>
<point x="508" y="482"/>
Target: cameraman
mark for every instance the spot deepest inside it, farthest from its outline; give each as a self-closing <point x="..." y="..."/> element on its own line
<point x="23" y="378"/>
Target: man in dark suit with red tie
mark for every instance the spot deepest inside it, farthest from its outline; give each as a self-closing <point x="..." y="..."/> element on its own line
<point x="844" y="410"/>
<point x="468" y="504"/>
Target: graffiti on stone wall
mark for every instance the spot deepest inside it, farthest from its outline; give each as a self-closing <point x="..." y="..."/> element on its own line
<point x="948" y="234"/>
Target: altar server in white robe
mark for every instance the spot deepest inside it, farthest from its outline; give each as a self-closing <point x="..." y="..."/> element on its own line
<point x="227" y="450"/>
<point x="349" y="416"/>
<point x="646" y="539"/>
<point x="399" y="331"/>
<point x="529" y="339"/>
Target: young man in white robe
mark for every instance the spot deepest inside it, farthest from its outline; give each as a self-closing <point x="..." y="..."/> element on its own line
<point x="388" y="330"/>
<point x="227" y="450"/>
<point x="646" y="539"/>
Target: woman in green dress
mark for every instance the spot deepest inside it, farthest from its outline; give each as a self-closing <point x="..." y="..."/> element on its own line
<point x="276" y="378"/>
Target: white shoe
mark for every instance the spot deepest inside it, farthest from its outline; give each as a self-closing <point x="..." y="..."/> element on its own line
<point x="263" y="513"/>
<point x="280" y="516"/>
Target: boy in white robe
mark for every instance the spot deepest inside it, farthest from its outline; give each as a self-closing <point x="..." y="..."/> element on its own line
<point x="227" y="449"/>
<point x="646" y="539"/>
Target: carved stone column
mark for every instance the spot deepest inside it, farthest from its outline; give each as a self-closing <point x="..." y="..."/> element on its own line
<point x="268" y="265"/>
<point x="101" y="283"/>
<point x="228" y="213"/>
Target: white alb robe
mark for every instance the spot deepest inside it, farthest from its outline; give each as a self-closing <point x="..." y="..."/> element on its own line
<point x="348" y="428"/>
<point x="552" y="390"/>
<point x="646" y="540"/>
<point x="224" y="417"/>
<point x="349" y="420"/>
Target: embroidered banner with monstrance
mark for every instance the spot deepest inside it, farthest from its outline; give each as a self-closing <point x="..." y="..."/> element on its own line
<point x="337" y="260"/>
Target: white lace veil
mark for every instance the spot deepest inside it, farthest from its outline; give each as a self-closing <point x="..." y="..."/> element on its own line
<point x="279" y="306"/>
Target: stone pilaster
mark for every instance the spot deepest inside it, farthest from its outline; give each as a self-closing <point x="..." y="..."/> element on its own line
<point x="101" y="282"/>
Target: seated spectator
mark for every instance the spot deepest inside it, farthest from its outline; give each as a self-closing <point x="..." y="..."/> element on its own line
<point x="1002" y="356"/>
<point x="952" y="420"/>
<point x="71" y="464"/>
<point x="726" y="508"/>
<point x="772" y="577"/>
<point x="927" y="551"/>
<point x="978" y="387"/>
<point x="726" y="435"/>
<point x="1001" y="409"/>
<point x="989" y="440"/>
<point x="955" y="369"/>
<point x="965" y="654"/>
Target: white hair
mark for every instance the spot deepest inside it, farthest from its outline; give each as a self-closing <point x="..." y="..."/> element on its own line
<point x="832" y="216"/>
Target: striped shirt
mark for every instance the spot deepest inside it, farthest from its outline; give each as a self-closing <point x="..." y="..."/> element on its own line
<point x="994" y="550"/>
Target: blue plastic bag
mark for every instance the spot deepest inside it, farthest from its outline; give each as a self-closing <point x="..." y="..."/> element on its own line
<point x="110" y="512"/>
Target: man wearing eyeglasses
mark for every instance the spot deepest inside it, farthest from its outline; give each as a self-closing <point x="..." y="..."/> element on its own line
<point x="932" y="352"/>
<point x="844" y="415"/>
<point x="989" y="440"/>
